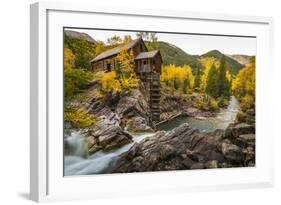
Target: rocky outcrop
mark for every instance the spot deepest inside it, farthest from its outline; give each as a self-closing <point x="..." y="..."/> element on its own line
<point x="134" y="103"/>
<point x="171" y="106"/>
<point x="116" y="113"/>
<point x="79" y="35"/>
<point x="187" y="148"/>
<point x="137" y="124"/>
<point x="106" y="135"/>
<point x="176" y="105"/>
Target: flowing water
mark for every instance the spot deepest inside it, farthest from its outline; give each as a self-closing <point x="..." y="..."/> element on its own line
<point x="76" y="161"/>
<point x="221" y="121"/>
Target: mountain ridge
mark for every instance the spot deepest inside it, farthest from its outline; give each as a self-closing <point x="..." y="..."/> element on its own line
<point x="233" y="65"/>
<point x="242" y="59"/>
<point x="79" y="35"/>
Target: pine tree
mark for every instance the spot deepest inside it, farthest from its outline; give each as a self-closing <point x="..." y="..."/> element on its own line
<point x="176" y="83"/>
<point x="185" y="86"/>
<point x="197" y="79"/>
<point x="223" y="83"/>
<point x="212" y="82"/>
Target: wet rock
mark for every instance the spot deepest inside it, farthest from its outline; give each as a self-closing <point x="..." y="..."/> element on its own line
<point x="106" y="135"/>
<point x="187" y="148"/>
<point x="184" y="148"/>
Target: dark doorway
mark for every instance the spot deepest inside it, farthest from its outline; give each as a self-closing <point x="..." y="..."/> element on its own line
<point x="108" y="67"/>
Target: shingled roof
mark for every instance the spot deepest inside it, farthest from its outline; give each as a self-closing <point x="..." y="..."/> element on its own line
<point x="115" y="51"/>
<point x="149" y="54"/>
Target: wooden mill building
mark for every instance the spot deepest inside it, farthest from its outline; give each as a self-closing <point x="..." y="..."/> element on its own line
<point x="147" y="66"/>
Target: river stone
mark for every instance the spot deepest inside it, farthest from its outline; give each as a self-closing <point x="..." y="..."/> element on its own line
<point x="107" y="135"/>
<point x="232" y="152"/>
<point x="242" y="128"/>
<point x="245" y="140"/>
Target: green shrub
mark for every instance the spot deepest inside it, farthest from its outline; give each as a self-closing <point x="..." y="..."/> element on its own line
<point x="241" y="117"/>
<point x="204" y="102"/>
<point x="222" y="101"/>
<point x="75" y="80"/>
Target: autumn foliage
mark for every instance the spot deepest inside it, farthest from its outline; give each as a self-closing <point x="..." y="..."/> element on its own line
<point x="244" y="85"/>
<point x="179" y="78"/>
<point x="78" y="118"/>
<point x="123" y="77"/>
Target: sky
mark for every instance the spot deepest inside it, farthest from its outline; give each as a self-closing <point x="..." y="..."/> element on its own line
<point x="191" y="44"/>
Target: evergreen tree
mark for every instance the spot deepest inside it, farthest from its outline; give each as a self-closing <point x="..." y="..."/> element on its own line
<point x="212" y="82"/>
<point x="197" y="79"/>
<point x="176" y="83"/>
<point x="223" y="83"/>
<point x="185" y="86"/>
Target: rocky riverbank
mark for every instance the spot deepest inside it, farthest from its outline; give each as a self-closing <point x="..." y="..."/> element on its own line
<point x="116" y="116"/>
<point x="173" y="105"/>
<point x="249" y="116"/>
<point x="187" y="148"/>
<point x="119" y="114"/>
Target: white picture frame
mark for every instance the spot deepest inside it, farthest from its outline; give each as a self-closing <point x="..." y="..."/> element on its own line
<point x="46" y="178"/>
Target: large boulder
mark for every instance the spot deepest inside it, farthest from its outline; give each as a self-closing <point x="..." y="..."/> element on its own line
<point x="246" y="140"/>
<point x="133" y="111"/>
<point x="232" y="152"/>
<point x="138" y="124"/>
<point x="106" y="135"/>
<point x="235" y="130"/>
<point x="132" y="104"/>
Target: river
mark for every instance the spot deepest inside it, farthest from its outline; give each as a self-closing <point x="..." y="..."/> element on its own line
<point x="77" y="162"/>
<point x="221" y="121"/>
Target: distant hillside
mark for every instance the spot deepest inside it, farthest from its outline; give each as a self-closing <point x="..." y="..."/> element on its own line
<point x="242" y="59"/>
<point x="172" y="54"/>
<point x="79" y="35"/>
<point x="233" y="65"/>
<point x="82" y="46"/>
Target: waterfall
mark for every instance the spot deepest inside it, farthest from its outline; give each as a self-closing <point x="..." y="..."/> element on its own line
<point x="99" y="162"/>
<point x="74" y="144"/>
